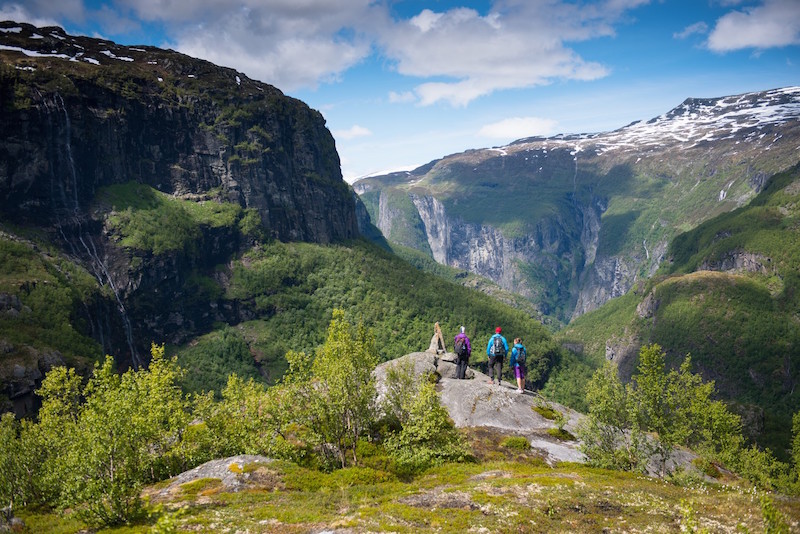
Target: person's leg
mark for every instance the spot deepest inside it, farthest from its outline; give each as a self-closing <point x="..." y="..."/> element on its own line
<point x="498" y="369"/>
<point x="491" y="368"/>
<point x="518" y="375"/>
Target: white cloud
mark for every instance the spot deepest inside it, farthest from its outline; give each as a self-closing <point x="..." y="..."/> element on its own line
<point x="405" y="97"/>
<point x="693" y="29"/>
<point x="352" y="132"/>
<point x="458" y="55"/>
<point x="774" y="23"/>
<point x="518" y="128"/>
<point x="27" y="13"/>
<point x="518" y="44"/>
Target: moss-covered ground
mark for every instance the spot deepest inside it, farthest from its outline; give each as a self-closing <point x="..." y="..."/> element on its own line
<point x="501" y="495"/>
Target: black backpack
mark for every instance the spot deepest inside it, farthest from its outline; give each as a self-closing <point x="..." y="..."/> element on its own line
<point x="497" y="347"/>
<point x="521" y="355"/>
<point x="461" y="346"/>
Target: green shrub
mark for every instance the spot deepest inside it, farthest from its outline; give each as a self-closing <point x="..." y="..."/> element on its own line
<point x="517" y="443"/>
<point x="428" y="437"/>
<point x="125" y="434"/>
<point x="561" y="434"/>
<point x="546" y="411"/>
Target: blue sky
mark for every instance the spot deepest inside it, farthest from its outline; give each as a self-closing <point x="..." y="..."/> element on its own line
<point x="403" y="82"/>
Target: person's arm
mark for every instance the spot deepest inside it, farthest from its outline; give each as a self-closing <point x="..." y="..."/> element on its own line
<point x="489" y="346"/>
<point x="469" y="346"/>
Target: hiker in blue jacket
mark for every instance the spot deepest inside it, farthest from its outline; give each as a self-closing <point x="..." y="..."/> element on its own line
<point x="463" y="351"/>
<point x="496" y="350"/>
<point x="517" y="362"/>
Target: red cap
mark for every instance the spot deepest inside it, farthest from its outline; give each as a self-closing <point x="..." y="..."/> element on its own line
<point x="498" y="329"/>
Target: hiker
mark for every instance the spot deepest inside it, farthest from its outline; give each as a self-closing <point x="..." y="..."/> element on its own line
<point x="463" y="350"/>
<point x="517" y="362"/>
<point x="496" y="350"/>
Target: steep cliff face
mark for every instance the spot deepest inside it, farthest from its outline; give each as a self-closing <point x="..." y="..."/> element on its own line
<point x="227" y="160"/>
<point x="573" y="221"/>
<point x="85" y="113"/>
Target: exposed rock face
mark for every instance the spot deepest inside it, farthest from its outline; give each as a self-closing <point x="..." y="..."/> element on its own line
<point x="24" y="376"/>
<point x="264" y="150"/>
<point x="740" y="262"/>
<point x="558" y="249"/>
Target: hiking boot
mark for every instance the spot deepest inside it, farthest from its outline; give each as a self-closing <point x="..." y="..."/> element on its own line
<point x="520" y="390"/>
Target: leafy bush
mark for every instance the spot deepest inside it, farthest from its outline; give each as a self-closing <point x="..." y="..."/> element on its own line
<point x="517" y="443"/>
<point x="428" y="437"/>
<point x="101" y="452"/>
<point x="612" y="437"/>
<point x="676" y="407"/>
<point x="337" y="400"/>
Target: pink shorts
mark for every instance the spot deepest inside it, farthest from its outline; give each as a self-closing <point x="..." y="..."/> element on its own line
<point x="519" y="372"/>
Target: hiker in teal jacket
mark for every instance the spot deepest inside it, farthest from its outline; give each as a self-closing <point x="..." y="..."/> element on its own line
<point x="496" y="350"/>
<point x="517" y="363"/>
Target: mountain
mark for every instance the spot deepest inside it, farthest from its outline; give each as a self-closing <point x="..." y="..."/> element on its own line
<point x="147" y="196"/>
<point x="728" y="293"/>
<point x="572" y="221"/>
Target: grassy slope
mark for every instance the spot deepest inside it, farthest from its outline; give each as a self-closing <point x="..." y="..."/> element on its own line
<point x="741" y="328"/>
<point x="52" y="293"/>
<point x="506" y="491"/>
<point x="293" y="287"/>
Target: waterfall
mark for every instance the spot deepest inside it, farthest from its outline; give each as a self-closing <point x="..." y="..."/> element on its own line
<point x="70" y="160"/>
<point x="71" y="207"/>
<point x="100" y="268"/>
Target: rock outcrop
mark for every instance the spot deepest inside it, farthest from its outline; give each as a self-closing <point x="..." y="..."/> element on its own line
<point x="82" y="113"/>
<point x="474" y="402"/>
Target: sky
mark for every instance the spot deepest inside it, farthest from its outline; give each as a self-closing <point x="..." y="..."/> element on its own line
<point x="403" y="82"/>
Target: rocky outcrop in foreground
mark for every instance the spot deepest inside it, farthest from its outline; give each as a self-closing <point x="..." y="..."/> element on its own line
<point x="474" y="402"/>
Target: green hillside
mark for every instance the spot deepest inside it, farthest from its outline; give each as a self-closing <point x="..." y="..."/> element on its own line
<point x="728" y="295"/>
<point x="282" y="293"/>
<point x="293" y="287"/>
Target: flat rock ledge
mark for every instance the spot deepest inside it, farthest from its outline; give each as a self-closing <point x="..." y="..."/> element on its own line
<point x="230" y="471"/>
<point x="475" y="402"/>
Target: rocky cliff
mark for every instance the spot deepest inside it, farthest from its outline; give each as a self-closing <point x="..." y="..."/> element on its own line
<point x="82" y="113"/>
<point x="144" y="172"/>
<point x="573" y="221"/>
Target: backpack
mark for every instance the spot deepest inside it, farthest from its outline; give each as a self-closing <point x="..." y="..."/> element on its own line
<point x="461" y="346"/>
<point x="521" y="355"/>
<point x="497" y="347"/>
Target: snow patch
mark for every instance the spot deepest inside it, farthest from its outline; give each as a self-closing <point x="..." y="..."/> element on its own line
<point x="33" y="53"/>
<point x="111" y="54"/>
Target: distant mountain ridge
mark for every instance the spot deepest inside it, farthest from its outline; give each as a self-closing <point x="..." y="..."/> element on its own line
<point x="574" y="220"/>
